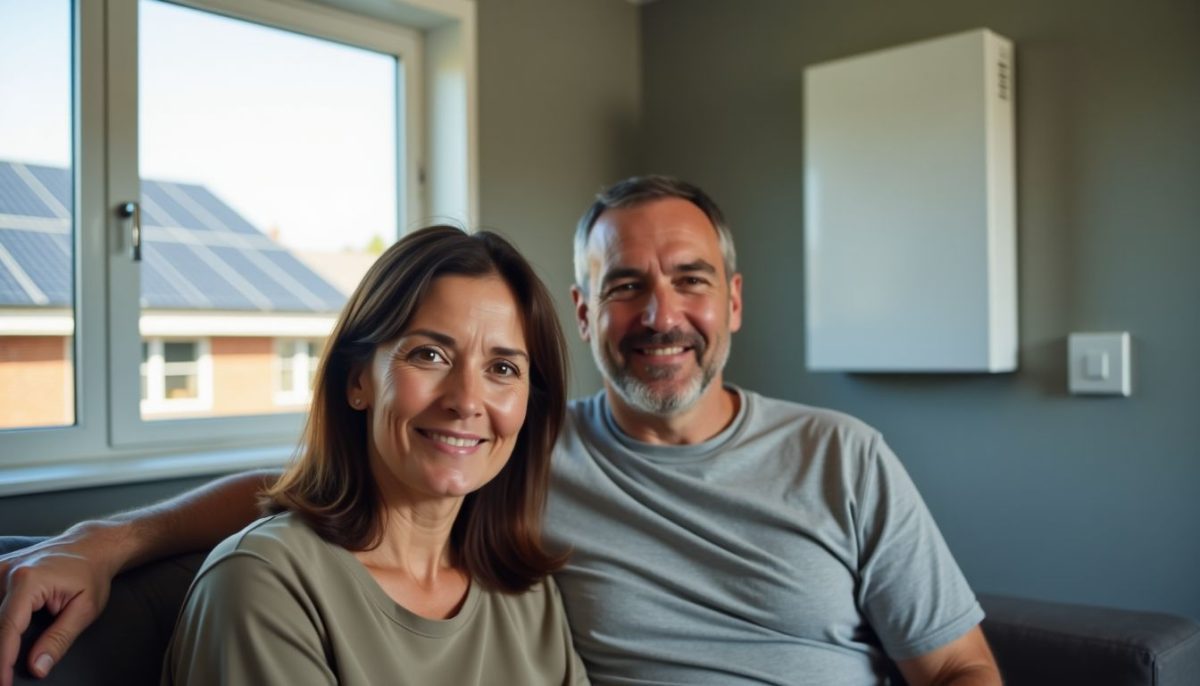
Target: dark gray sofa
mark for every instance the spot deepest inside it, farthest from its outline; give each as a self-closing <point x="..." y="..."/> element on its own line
<point x="1036" y="643"/>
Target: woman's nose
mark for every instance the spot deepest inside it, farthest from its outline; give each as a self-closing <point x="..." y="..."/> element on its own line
<point x="462" y="393"/>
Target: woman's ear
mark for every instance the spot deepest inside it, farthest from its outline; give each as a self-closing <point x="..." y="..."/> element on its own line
<point x="359" y="388"/>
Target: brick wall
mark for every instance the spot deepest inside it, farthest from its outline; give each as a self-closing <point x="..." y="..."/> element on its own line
<point x="243" y="375"/>
<point x="36" y="388"/>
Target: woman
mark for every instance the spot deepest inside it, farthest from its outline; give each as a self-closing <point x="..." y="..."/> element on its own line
<point x="405" y="542"/>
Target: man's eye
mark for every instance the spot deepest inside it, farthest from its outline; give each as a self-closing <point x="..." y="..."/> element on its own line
<point x="622" y="289"/>
<point x="693" y="281"/>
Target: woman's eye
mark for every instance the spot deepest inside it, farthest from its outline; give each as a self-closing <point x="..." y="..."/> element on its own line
<point x="505" y="369"/>
<point x="427" y="355"/>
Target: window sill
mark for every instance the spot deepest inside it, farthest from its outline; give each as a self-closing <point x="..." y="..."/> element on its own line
<point x="71" y="475"/>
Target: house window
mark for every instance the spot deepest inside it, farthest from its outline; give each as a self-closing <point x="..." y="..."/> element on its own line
<point x="159" y="350"/>
<point x="296" y="368"/>
<point x="176" y="377"/>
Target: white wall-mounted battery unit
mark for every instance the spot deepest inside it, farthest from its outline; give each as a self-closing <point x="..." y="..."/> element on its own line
<point x="909" y="209"/>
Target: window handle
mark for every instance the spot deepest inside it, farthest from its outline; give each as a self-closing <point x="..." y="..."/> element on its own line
<point x="133" y="211"/>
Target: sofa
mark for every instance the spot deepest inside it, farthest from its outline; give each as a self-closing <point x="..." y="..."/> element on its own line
<point x="1036" y="643"/>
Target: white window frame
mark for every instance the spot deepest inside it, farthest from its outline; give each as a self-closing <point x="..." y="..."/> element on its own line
<point x="156" y="401"/>
<point x="303" y="362"/>
<point x="437" y="177"/>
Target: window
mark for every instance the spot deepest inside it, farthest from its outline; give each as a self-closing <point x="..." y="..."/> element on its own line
<point x="176" y="377"/>
<point x="296" y="364"/>
<point x="261" y="209"/>
<point x="37" y="309"/>
<point x="154" y="355"/>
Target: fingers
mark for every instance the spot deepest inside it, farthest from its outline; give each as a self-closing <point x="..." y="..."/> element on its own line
<point x="56" y="640"/>
<point x="15" y="611"/>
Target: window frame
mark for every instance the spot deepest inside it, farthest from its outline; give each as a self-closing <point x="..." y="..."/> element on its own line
<point x="129" y="428"/>
<point x="303" y="362"/>
<point x="436" y="176"/>
<point x="156" y="401"/>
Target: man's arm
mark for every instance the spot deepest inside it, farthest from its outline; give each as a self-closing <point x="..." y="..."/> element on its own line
<point x="965" y="661"/>
<point x="70" y="574"/>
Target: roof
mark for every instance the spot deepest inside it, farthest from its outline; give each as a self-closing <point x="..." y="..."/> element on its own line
<point x="197" y="252"/>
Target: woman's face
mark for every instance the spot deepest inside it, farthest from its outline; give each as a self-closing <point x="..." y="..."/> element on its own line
<point x="446" y="400"/>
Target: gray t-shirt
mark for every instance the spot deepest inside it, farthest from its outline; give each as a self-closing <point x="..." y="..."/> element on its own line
<point x="276" y="604"/>
<point x="790" y="548"/>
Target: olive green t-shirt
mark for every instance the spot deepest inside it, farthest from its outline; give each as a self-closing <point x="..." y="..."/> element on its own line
<point x="276" y="604"/>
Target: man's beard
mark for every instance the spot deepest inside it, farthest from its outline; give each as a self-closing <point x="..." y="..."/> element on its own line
<point x="643" y="396"/>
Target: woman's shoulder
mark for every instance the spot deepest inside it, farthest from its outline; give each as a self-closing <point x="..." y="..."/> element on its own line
<point x="279" y="540"/>
<point x="539" y="603"/>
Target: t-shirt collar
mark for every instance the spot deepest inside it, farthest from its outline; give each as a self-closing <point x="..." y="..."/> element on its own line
<point x="674" y="453"/>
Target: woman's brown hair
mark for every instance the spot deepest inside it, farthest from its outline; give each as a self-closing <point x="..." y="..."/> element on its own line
<point x="496" y="537"/>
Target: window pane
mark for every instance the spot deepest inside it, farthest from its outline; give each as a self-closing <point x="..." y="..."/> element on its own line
<point x="179" y="352"/>
<point x="180" y="386"/>
<point x="37" y="319"/>
<point x="287" y="363"/>
<point x="268" y="163"/>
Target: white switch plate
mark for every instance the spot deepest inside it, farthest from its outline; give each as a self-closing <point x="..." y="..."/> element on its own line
<point x="1098" y="363"/>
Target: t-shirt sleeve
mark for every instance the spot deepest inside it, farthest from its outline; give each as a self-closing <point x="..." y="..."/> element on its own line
<point x="911" y="590"/>
<point x="243" y="623"/>
<point x="576" y="674"/>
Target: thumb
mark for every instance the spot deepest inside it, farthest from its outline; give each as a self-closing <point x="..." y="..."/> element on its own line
<point x="54" y="642"/>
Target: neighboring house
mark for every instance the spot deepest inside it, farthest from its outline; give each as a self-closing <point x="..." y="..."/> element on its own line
<point x="231" y="323"/>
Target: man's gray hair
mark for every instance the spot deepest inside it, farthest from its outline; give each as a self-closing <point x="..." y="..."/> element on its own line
<point x="637" y="190"/>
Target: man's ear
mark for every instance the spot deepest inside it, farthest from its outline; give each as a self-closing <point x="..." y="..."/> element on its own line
<point x="735" y="303"/>
<point x="581" y="313"/>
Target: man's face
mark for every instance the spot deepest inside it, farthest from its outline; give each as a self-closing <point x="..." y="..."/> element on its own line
<point x="659" y="309"/>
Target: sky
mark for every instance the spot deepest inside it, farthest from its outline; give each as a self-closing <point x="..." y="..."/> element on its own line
<point x="296" y="134"/>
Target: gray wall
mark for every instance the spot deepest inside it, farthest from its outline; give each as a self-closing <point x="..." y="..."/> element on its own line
<point x="559" y="101"/>
<point x="1038" y="492"/>
<point x="43" y="514"/>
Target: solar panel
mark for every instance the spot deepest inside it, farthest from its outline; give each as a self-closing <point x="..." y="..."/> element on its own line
<point x="11" y="291"/>
<point x="282" y="297"/>
<point x="45" y="259"/>
<point x="16" y="197"/>
<point x="162" y="285"/>
<point x="177" y="215"/>
<point x="222" y="212"/>
<point x="199" y="253"/>
<point x="332" y="297"/>
<point x="223" y="294"/>
<point x="56" y="180"/>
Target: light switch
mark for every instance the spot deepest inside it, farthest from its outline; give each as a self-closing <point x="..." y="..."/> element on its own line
<point x="1098" y="363"/>
<point x="1095" y="365"/>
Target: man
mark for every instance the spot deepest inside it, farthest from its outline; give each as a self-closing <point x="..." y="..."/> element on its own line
<point x="719" y="536"/>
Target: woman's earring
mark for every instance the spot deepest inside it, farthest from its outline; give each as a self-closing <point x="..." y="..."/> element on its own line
<point x="357" y="403"/>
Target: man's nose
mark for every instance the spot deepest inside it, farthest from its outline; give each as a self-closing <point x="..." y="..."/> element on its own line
<point x="662" y="312"/>
<point x="462" y="393"/>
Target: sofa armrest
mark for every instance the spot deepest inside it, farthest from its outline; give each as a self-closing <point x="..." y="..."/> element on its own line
<point x="1038" y="642"/>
